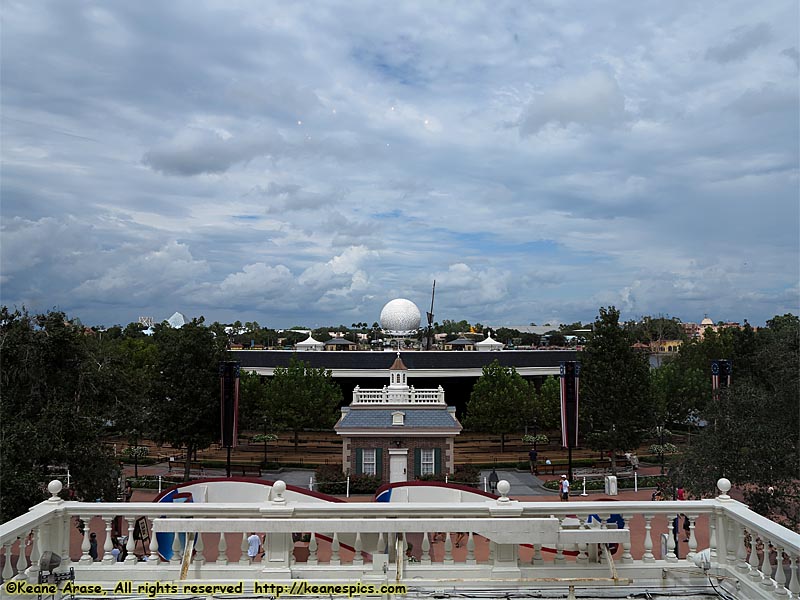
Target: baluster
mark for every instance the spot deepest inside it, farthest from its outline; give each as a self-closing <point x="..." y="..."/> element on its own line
<point x="671" y="556"/>
<point x="648" y="539"/>
<point x="425" y="559"/>
<point x="604" y="517"/>
<point x="131" y="545"/>
<point x="32" y="572"/>
<point x="199" y="546"/>
<point x="8" y="572"/>
<point x="537" y="559"/>
<point x="222" y="549"/>
<point x="794" y="582"/>
<point x="22" y="560"/>
<point x="559" y="558"/>
<point x="358" y="557"/>
<point x="583" y="555"/>
<point x="692" y="537"/>
<point x="154" y="556"/>
<point x="65" y="532"/>
<point x="335" y="558"/>
<point x="471" y="549"/>
<point x="380" y="546"/>
<point x="108" y="543"/>
<point x="732" y="542"/>
<point x="176" y="549"/>
<point x="448" y="549"/>
<point x="85" y="545"/>
<point x="712" y="536"/>
<point x="741" y="551"/>
<point x="780" y="574"/>
<point x="244" y="559"/>
<point x="721" y="537"/>
<point x="766" y="566"/>
<point x="626" y="546"/>
<point x="313" y="559"/>
<point x="753" y="560"/>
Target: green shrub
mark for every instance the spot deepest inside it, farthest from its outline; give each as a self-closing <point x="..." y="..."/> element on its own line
<point x="331" y="480"/>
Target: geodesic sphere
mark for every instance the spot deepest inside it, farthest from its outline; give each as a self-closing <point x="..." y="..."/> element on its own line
<point x="400" y="316"/>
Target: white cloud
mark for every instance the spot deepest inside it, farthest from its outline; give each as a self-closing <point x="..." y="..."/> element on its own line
<point x="594" y="99"/>
<point x="269" y="165"/>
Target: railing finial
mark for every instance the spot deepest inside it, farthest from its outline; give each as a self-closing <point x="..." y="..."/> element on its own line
<point x="55" y="487"/>
<point x="724" y="486"/>
<point x="503" y="487"/>
<point x="279" y="487"/>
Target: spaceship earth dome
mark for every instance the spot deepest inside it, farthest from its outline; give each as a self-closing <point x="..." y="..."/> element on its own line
<point x="400" y="317"/>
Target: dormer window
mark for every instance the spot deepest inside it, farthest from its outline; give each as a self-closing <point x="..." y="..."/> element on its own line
<point x="398" y="418"/>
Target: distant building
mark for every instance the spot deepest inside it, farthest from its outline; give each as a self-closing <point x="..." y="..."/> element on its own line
<point x="697" y="332"/>
<point x="398" y="432"/>
<point x="340" y="344"/>
<point x="460" y="344"/>
<point x="177" y="320"/>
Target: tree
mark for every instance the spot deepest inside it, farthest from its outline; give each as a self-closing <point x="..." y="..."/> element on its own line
<point x="53" y="411"/>
<point x="752" y="431"/>
<point x="614" y="388"/>
<point x="300" y="396"/>
<point x="501" y="402"/>
<point x="185" y="398"/>
<point x="547" y="404"/>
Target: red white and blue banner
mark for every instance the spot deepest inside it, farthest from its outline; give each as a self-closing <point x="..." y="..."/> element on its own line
<point x="721" y="370"/>
<point x="570" y="384"/>
<point x="229" y="402"/>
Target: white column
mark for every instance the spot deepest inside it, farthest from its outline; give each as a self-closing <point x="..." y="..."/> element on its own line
<point x="425" y="559"/>
<point x="108" y="543"/>
<point x="312" y="550"/>
<point x="8" y="571"/>
<point x="222" y="549"/>
<point x="85" y="545"/>
<point x="448" y="549"/>
<point x="648" y="539"/>
<point x="626" y="546"/>
<point x="766" y="566"/>
<point x="794" y="582"/>
<point x="244" y="559"/>
<point x="671" y="556"/>
<point x="22" y="560"/>
<point x="780" y="575"/>
<point x="154" y="556"/>
<point x="335" y="558"/>
<point x="358" y="557"/>
<point x="753" y="560"/>
<point x="199" y="546"/>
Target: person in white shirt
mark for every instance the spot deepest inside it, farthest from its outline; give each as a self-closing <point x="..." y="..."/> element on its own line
<point x="563" y="488"/>
<point x="253" y="546"/>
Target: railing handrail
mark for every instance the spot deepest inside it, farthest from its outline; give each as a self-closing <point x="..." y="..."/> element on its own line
<point x="45" y="511"/>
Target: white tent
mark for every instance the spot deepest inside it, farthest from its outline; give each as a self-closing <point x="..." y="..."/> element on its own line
<point x="488" y="345"/>
<point x="309" y="345"/>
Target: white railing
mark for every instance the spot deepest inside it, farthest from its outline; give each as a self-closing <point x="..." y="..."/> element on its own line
<point x="495" y="544"/>
<point x="387" y="395"/>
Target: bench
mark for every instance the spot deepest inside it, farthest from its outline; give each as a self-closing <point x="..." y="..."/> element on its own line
<point x="249" y="470"/>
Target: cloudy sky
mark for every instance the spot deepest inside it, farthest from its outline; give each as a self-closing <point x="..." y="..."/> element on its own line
<point x="305" y="163"/>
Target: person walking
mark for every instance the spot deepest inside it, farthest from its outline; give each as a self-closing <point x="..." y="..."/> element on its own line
<point x="253" y="546"/>
<point x="532" y="456"/>
<point x="93" y="545"/>
<point x="563" y="487"/>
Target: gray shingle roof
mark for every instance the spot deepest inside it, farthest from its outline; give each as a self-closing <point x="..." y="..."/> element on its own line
<point x="381" y="418"/>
